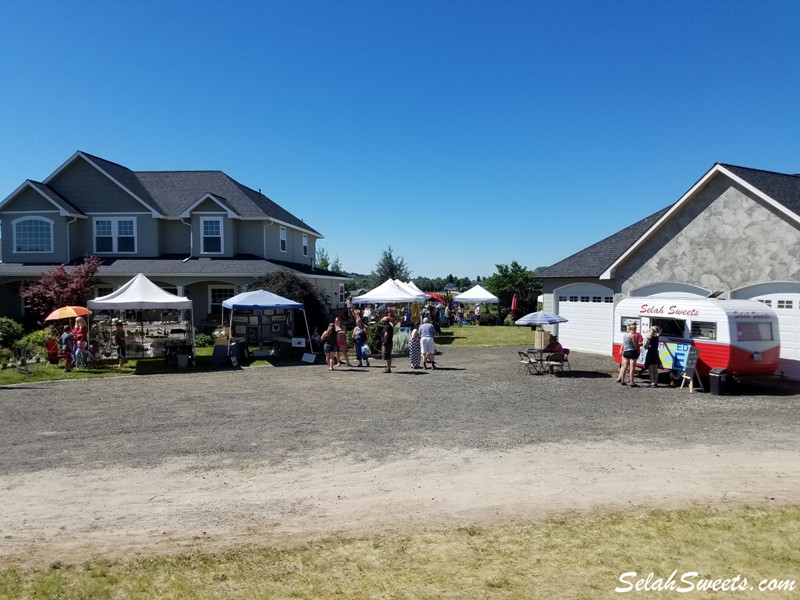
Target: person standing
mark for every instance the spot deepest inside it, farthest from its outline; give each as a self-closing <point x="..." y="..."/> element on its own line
<point x="478" y="313"/>
<point x="330" y="345"/>
<point x="359" y="339"/>
<point x="80" y="333"/>
<point x="119" y="340"/>
<point x="341" y="339"/>
<point x="652" y="361"/>
<point x="414" y="349"/>
<point x="387" y="337"/>
<point x="631" y="342"/>
<point x="426" y="333"/>
<point x="67" y="343"/>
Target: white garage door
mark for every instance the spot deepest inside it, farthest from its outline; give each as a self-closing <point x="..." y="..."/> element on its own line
<point x="784" y="298"/>
<point x="590" y="310"/>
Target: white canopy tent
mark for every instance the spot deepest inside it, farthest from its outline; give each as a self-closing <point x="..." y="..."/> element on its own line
<point x="139" y="294"/>
<point x="259" y="300"/>
<point x="477" y="294"/>
<point x="390" y="292"/>
<point x="142" y="294"/>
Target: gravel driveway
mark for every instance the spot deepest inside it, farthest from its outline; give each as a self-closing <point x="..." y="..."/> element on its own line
<point x="297" y="442"/>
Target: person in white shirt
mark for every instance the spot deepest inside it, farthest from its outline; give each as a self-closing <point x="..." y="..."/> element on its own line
<point x="426" y="334"/>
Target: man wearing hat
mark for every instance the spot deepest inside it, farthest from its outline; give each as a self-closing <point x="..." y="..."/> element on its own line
<point x="388" y="342"/>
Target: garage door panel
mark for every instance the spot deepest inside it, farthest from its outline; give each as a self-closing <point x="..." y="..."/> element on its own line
<point x="589" y="326"/>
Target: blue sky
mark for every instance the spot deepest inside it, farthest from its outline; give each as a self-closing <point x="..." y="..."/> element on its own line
<point x="463" y="134"/>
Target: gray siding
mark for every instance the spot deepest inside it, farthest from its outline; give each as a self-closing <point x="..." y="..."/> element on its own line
<point x="249" y="237"/>
<point x="724" y="239"/>
<point x="173" y="237"/>
<point x="92" y="192"/>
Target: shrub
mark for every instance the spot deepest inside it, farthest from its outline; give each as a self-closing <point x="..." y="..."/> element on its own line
<point x="5" y="357"/>
<point x="203" y="340"/>
<point x="10" y="332"/>
<point x="401" y="339"/>
<point x="35" y="341"/>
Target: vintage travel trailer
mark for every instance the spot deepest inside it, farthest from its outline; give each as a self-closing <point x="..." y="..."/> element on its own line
<point x="740" y="336"/>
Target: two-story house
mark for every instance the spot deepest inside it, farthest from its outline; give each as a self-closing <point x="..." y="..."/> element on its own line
<point x="195" y="233"/>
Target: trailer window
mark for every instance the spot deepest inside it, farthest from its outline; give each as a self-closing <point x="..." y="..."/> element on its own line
<point x="754" y="332"/>
<point x="625" y="321"/>
<point x="670" y="327"/>
<point x="704" y="329"/>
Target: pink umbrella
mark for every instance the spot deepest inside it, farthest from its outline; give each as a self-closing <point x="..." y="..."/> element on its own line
<point x="514" y="303"/>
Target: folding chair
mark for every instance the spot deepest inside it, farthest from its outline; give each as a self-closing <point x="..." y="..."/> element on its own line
<point x="526" y="361"/>
<point x="54" y="353"/>
<point x="566" y="359"/>
<point x="555" y="362"/>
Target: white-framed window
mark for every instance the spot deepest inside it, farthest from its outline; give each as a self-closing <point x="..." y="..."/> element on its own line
<point x="216" y="295"/>
<point x="341" y="293"/>
<point x="33" y="234"/>
<point x="283" y="239"/>
<point x="305" y="245"/>
<point x="785" y="304"/>
<point x="211" y="234"/>
<point x="102" y="290"/>
<point x="115" y="235"/>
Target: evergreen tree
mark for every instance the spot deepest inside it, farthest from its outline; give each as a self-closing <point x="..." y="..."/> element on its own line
<point x="389" y="266"/>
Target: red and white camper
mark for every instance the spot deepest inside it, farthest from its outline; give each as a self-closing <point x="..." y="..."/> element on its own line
<point x="740" y="336"/>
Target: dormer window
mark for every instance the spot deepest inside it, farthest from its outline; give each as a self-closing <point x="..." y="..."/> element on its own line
<point x="283" y="239"/>
<point x="212" y="235"/>
<point x="33" y="234"/>
<point x="115" y="235"/>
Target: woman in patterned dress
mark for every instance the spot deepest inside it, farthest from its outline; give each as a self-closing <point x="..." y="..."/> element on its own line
<point x="414" y="353"/>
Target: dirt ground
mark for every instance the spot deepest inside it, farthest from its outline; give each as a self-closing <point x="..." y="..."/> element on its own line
<point x="165" y="464"/>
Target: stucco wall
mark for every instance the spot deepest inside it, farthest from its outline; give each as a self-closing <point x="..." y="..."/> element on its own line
<point x="724" y="239"/>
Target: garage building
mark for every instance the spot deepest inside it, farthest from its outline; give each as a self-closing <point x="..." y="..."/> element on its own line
<point x="735" y="234"/>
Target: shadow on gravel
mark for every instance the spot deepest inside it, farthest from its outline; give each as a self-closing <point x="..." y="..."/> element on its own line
<point x="763" y="386"/>
<point x="586" y="374"/>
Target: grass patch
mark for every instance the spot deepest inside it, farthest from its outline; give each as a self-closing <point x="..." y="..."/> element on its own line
<point x="471" y="336"/>
<point x="564" y="558"/>
<point x="464" y="337"/>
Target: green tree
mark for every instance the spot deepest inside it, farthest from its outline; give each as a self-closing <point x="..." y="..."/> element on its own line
<point x="513" y="279"/>
<point x="289" y="285"/>
<point x="322" y="260"/>
<point x="59" y="288"/>
<point x="389" y="266"/>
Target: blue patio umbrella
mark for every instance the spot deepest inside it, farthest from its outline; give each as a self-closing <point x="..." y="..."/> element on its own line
<point x="540" y="318"/>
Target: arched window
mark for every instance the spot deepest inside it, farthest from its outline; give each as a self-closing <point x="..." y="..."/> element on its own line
<point x="33" y="234"/>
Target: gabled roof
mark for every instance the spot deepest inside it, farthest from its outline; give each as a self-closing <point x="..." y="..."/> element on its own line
<point x="170" y="194"/>
<point x="778" y="190"/>
<point x="65" y="209"/>
<point x="592" y="261"/>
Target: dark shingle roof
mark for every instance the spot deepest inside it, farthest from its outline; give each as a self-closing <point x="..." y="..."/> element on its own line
<point x="782" y="188"/>
<point x="172" y="192"/>
<point x="127" y="178"/>
<point x="54" y="197"/>
<point x="594" y="260"/>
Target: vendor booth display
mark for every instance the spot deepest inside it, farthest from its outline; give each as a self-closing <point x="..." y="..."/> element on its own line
<point x="261" y="318"/>
<point x="154" y="319"/>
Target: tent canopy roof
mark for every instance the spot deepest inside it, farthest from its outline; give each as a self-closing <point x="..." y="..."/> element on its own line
<point x="259" y="299"/>
<point x="138" y="294"/>
<point x="390" y="291"/>
<point x="476" y="294"/>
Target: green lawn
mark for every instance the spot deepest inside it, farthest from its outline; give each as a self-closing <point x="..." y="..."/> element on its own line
<point x="466" y="336"/>
<point x="580" y="557"/>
